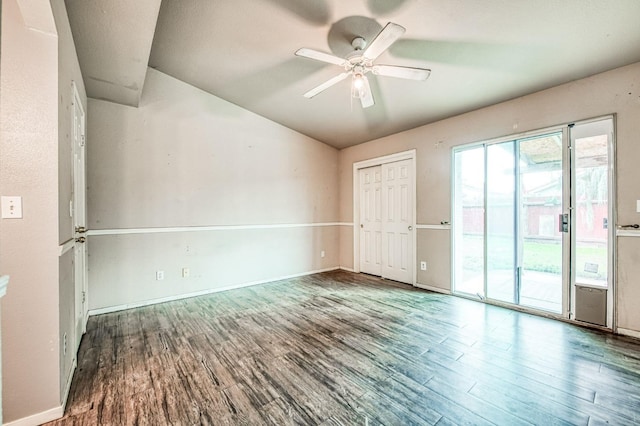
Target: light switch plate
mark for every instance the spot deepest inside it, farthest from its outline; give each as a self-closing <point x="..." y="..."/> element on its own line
<point x="637" y="206"/>
<point x="11" y="207"/>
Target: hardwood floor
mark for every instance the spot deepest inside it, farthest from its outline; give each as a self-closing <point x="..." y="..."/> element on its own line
<point x="346" y="349"/>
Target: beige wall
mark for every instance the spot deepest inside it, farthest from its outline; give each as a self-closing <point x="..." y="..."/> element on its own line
<point x="615" y="91"/>
<point x="38" y="64"/>
<point x="629" y="279"/>
<point x="186" y="158"/>
<point x="29" y="246"/>
<point x="216" y="260"/>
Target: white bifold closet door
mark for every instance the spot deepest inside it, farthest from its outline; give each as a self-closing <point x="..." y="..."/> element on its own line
<point x="386" y="221"/>
<point x="371" y="220"/>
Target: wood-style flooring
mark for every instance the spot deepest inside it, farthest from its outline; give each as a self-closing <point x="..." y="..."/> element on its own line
<point x="346" y="349"/>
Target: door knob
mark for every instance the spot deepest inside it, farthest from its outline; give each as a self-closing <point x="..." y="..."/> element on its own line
<point x="361" y="225"/>
<point x="410" y="228"/>
<point x="81" y="229"/>
<point x="81" y="240"/>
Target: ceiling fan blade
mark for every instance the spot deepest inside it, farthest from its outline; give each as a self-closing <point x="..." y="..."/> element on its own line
<point x="324" y="86"/>
<point x="367" y="97"/>
<point x="385" y="38"/>
<point x="409" y="73"/>
<point x="320" y="56"/>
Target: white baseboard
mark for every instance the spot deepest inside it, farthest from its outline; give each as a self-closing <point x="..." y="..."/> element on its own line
<point x="344" y="268"/>
<point x="39" y="418"/>
<point x="109" y="309"/>
<point x="630" y="333"/>
<point x="432" y="288"/>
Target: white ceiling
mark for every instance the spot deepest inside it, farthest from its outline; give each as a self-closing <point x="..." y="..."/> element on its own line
<point x="480" y="53"/>
<point x="113" y="40"/>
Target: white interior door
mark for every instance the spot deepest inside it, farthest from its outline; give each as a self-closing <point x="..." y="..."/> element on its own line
<point x="386" y="211"/>
<point x="397" y="221"/>
<point x="370" y="220"/>
<point x="79" y="217"/>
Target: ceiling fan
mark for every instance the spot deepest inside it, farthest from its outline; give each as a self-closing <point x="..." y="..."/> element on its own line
<point x="360" y="62"/>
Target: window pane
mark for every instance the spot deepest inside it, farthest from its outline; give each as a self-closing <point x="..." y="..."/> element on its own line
<point x="501" y="243"/>
<point x="468" y="221"/>
<point x="541" y="193"/>
<point x="592" y="193"/>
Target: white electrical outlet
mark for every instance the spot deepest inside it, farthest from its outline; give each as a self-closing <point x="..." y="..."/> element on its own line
<point x="185" y="272"/>
<point x="423" y="266"/>
<point x="637" y="206"/>
<point x="159" y="275"/>
<point x="322" y="253"/>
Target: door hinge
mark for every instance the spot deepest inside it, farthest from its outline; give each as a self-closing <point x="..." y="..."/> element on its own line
<point x="84" y="296"/>
<point x="82" y="140"/>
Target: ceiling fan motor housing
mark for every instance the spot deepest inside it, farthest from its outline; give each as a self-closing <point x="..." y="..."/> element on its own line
<point x="358" y="43"/>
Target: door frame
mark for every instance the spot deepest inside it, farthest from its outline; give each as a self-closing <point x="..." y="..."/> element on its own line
<point x="378" y="161"/>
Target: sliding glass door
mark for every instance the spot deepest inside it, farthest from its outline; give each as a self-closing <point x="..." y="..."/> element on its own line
<point x="531" y="217"/>
<point x="524" y="196"/>
<point x="591" y="215"/>
<point x="541" y="203"/>
<point x="468" y="208"/>
<point x="502" y="242"/>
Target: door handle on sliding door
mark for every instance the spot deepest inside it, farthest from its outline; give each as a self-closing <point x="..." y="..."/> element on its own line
<point x="563" y="222"/>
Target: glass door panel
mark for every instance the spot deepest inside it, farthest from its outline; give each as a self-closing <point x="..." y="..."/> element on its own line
<point x="500" y="217"/>
<point x="591" y="209"/>
<point x="540" y="199"/>
<point x="591" y="235"/>
<point x="468" y="222"/>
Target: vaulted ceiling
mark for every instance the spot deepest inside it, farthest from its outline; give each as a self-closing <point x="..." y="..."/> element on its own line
<point x="480" y="53"/>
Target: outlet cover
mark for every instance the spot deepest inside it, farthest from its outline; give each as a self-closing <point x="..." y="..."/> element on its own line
<point x="423" y="266"/>
<point x="11" y="207"/>
<point x="159" y="275"/>
<point x="185" y="272"/>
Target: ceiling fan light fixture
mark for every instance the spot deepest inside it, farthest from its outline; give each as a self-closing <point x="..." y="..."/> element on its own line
<point x="357" y="85"/>
<point x="360" y="62"/>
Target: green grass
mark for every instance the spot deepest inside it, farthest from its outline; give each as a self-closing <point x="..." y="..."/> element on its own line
<point x="541" y="256"/>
